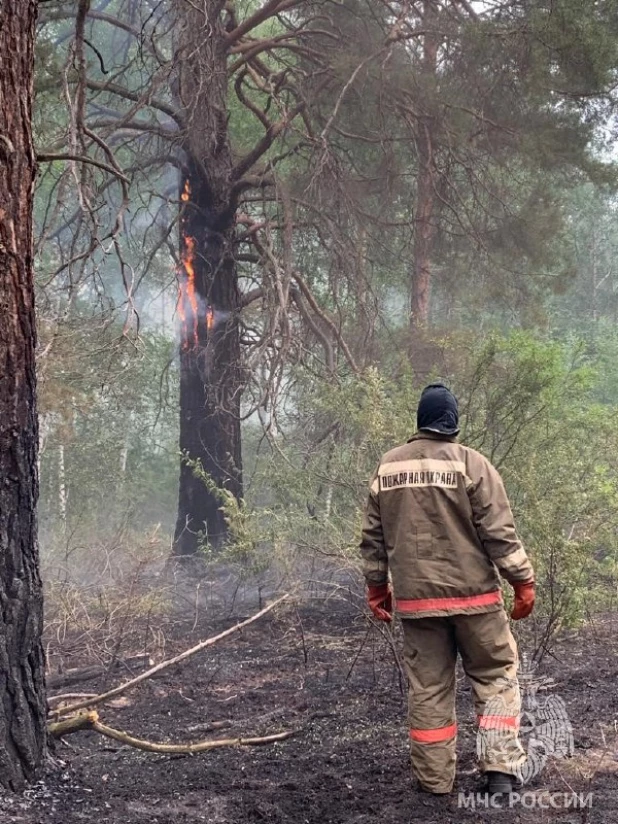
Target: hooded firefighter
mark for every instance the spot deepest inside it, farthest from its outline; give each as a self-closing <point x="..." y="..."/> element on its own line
<point x="438" y="523"/>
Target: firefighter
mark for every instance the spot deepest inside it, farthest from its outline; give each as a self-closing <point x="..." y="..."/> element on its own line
<point x="439" y="524"/>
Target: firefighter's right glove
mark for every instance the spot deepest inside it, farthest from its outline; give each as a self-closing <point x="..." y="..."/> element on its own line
<point x="524" y="600"/>
<point x="380" y="599"/>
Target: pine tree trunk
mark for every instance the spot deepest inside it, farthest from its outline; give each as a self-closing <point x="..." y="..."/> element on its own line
<point x="424" y="233"/>
<point x="209" y="373"/>
<point x="210" y="376"/>
<point x="424" y="218"/>
<point x="422" y="350"/>
<point x="22" y="687"/>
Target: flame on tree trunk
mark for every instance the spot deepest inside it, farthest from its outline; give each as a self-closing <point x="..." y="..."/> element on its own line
<point x="210" y="373"/>
<point x="210" y="384"/>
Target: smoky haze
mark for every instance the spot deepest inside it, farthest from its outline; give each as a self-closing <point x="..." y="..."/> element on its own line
<point x="258" y="239"/>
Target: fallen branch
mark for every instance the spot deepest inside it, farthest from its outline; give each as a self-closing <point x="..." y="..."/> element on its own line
<point x="199" y="746"/>
<point x="77" y="675"/>
<point x="90" y="721"/>
<point x="105" y="696"/>
<point x="69" y="696"/>
<point x="73" y="724"/>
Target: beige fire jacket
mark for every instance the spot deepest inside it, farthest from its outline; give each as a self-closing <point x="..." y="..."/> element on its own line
<point x="438" y="518"/>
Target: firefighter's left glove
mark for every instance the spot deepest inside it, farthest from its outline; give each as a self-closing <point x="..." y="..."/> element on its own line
<point x="524" y="600"/>
<point x="380" y="599"/>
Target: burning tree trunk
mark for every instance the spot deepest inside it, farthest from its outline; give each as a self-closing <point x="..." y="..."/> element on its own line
<point x="22" y="700"/>
<point x="210" y="380"/>
<point x="210" y="385"/>
<point x="216" y="46"/>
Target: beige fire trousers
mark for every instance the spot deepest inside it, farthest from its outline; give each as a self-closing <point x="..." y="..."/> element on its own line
<point x="489" y="657"/>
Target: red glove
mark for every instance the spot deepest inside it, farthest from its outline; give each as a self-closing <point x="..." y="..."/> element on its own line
<point x="524" y="600"/>
<point x="380" y="601"/>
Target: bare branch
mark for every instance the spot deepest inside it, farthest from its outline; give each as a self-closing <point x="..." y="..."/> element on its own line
<point x="265" y="143"/>
<point x="145" y="98"/>
<point x="324" y="317"/>
<point x="269" y="9"/>
<point x="251" y="296"/>
<point x="48" y="157"/>
<point x="209" y="642"/>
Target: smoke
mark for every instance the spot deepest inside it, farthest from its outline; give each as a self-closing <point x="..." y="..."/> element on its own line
<point x="195" y="311"/>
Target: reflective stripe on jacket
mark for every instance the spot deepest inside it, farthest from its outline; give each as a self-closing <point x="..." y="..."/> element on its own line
<point x="438" y="518"/>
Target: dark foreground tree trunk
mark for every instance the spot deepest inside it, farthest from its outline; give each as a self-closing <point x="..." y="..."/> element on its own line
<point x="22" y="688"/>
<point x="210" y="379"/>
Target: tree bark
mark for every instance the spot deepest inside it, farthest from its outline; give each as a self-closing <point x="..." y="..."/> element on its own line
<point x="423" y="352"/>
<point x="424" y="232"/>
<point x="22" y="686"/>
<point x="424" y="218"/>
<point x="209" y="301"/>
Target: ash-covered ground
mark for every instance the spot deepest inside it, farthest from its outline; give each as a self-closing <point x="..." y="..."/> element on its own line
<point x="321" y="670"/>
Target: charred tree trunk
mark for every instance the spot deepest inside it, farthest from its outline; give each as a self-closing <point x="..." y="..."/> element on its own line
<point x="22" y="687"/>
<point x="210" y="373"/>
<point x="210" y="385"/>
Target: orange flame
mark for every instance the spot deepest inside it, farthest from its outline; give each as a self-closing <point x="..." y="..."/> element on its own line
<point x="188" y="260"/>
<point x="187" y="297"/>
<point x="188" y="301"/>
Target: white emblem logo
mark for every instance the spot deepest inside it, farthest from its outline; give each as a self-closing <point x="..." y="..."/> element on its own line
<point x="544" y="727"/>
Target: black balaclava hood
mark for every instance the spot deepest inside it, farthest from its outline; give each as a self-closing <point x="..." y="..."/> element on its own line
<point x="437" y="410"/>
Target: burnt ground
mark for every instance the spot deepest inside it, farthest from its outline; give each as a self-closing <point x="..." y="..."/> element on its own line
<point x="317" y="670"/>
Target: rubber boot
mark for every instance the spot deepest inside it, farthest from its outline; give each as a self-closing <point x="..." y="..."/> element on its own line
<point x="500" y="783"/>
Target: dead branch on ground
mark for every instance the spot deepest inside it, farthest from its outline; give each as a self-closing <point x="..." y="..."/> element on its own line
<point x="90" y="721"/>
<point x="103" y="697"/>
<point x="77" y="675"/>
